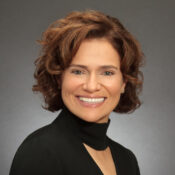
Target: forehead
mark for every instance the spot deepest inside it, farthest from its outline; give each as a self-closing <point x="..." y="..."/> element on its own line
<point x="95" y="52"/>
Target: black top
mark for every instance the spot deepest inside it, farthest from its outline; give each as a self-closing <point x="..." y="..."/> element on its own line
<point x="57" y="149"/>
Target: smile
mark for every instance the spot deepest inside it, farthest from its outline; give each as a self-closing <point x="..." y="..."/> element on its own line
<point x="92" y="100"/>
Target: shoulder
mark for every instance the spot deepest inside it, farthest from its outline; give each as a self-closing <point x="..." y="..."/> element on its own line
<point x="120" y="148"/>
<point x="44" y="138"/>
<point x="39" y="151"/>
<point x="125" y="156"/>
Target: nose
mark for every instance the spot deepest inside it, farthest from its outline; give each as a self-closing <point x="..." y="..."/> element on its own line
<point x="92" y="83"/>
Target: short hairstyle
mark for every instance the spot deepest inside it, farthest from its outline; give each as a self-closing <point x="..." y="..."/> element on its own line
<point x="60" y="43"/>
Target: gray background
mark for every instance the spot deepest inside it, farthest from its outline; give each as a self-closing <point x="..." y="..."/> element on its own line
<point x="149" y="132"/>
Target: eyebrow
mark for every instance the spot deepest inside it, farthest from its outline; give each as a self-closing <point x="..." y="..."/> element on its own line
<point x="101" y="67"/>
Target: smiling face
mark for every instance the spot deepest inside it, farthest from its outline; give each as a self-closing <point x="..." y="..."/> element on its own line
<point x="92" y="84"/>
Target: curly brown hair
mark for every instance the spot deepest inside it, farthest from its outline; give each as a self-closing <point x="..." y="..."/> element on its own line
<point x="60" y="43"/>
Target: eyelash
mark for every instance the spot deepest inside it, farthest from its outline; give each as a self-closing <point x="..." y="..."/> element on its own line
<point x="111" y="73"/>
<point x="76" y="72"/>
<point x="79" y="72"/>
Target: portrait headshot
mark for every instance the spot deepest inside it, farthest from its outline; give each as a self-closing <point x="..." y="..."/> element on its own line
<point x="89" y="67"/>
<point x="87" y="91"/>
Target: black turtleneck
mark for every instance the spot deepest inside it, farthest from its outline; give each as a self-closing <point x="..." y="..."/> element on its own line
<point x="91" y="133"/>
<point x="57" y="149"/>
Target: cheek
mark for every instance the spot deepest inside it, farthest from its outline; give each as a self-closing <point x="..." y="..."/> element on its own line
<point x="115" y="91"/>
<point x="114" y="88"/>
<point x="69" y="84"/>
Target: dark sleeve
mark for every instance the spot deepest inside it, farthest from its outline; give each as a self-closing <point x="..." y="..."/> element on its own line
<point x="33" y="158"/>
<point x="134" y="163"/>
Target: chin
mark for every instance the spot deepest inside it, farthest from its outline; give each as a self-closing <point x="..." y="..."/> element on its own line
<point x="89" y="115"/>
<point x="92" y="118"/>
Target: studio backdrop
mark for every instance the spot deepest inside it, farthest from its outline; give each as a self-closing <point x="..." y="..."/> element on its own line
<point x="148" y="132"/>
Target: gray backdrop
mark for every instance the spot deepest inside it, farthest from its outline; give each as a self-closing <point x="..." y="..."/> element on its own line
<point x="149" y="132"/>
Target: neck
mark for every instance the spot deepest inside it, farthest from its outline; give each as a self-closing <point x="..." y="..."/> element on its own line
<point x="91" y="133"/>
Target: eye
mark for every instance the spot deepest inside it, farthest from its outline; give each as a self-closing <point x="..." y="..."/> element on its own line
<point x="108" y="73"/>
<point x="77" y="72"/>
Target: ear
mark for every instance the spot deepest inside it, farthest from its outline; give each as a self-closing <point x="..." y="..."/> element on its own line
<point x="123" y="87"/>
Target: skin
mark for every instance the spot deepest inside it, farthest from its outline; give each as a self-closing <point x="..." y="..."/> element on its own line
<point x="94" y="73"/>
<point x="103" y="159"/>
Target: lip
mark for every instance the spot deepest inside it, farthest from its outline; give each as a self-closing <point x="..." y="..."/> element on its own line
<point x="90" y="105"/>
<point x="90" y="96"/>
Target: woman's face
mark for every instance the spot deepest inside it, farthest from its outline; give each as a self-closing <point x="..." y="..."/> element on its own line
<point x="92" y="84"/>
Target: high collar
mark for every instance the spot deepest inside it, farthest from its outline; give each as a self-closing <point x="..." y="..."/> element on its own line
<point x="90" y="133"/>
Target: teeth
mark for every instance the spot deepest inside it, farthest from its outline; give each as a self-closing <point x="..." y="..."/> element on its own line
<point x="91" y="100"/>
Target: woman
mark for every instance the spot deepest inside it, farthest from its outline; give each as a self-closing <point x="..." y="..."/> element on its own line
<point x="89" y="67"/>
